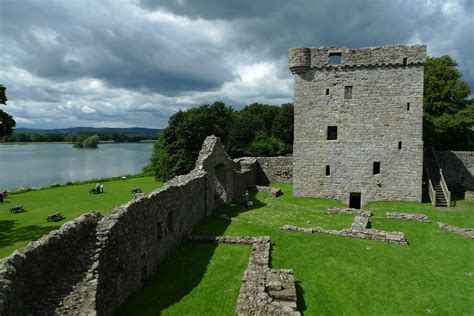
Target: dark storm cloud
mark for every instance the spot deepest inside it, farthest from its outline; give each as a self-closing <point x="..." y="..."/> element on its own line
<point x="135" y="62"/>
<point x="276" y="25"/>
<point x="67" y="40"/>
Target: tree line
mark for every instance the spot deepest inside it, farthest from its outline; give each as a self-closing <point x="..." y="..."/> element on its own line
<point x="73" y="137"/>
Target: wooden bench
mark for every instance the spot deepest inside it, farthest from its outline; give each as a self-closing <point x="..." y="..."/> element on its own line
<point x="17" y="209"/>
<point x="54" y="217"/>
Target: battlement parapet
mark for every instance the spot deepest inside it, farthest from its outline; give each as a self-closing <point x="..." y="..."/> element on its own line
<point x="304" y="59"/>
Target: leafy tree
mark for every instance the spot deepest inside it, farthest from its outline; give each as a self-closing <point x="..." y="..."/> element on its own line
<point x="248" y="122"/>
<point x="179" y="144"/>
<point x="448" y="114"/>
<point x="283" y="123"/>
<point x="91" y="142"/>
<point x="7" y="123"/>
<point x="264" y="145"/>
<point x="247" y="132"/>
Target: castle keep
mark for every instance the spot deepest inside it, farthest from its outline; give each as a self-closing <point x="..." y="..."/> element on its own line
<point x="358" y="123"/>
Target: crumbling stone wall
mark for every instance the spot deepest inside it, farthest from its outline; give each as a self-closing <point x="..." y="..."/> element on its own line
<point x="29" y="274"/>
<point x="93" y="265"/>
<point x="458" y="168"/>
<point x="275" y="170"/>
<point x="374" y="97"/>
<point x="138" y="236"/>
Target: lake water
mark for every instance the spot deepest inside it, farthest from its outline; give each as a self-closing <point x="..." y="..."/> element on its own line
<point x="38" y="165"/>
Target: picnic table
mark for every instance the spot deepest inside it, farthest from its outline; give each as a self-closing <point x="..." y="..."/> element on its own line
<point x="136" y="190"/>
<point x="55" y="217"/>
<point x="17" y="209"/>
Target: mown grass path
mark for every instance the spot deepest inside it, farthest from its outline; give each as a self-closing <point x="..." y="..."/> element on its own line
<point x="16" y="230"/>
<point x="335" y="275"/>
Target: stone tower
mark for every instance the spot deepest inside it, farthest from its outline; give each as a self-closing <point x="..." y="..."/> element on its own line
<point x="358" y="123"/>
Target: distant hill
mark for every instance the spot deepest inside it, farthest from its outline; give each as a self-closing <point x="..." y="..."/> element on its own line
<point x="128" y="130"/>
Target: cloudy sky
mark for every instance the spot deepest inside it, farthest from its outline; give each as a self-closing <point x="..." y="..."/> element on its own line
<point x="122" y="63"/>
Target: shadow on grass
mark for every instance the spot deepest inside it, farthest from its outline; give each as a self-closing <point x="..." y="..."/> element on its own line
<point x="10" y="234"/>
<point x="174" y="279"/>
<point x="184" y="270"/>
<point x="300" y="295"/>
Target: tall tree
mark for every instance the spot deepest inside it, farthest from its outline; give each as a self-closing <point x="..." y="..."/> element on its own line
<point x="448" y="116"/>
<point x="283" y="124"/>
<point x="7" y="123"/>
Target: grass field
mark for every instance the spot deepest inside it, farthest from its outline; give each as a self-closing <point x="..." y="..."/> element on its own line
<point x="335" y="275"/>
<point x="16" y="230"/>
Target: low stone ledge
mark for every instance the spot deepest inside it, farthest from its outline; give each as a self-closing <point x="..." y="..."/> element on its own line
<point x="370" y="234"/>
<point x="408" y="217"/>
<point x="360" y="222"/>
<point x="338" y="210"/>
<point x="275" y="192"/>
<point x="466" y="232"/>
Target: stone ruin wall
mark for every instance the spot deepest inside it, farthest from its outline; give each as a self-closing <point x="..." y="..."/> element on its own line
<point x="128" y="244"/>
<point x="274" y="170"/>
<point x="370" y="124"/>
<point x="458" y="168"/>
<point x="29" y="272"/>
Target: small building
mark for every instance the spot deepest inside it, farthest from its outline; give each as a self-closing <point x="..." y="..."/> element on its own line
<point x="358" y="123"/>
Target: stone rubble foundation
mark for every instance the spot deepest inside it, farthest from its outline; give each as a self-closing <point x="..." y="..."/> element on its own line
<point x="275" y="192"/>
<point x="466" y="232"/>
<point x="408" y="217"/>
<point x="264" y="291"/>
<point x="359" y="229"/>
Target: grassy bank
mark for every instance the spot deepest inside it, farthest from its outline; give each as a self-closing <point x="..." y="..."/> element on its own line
<point x="335" y="275"/>
<point x="16" y="230"/>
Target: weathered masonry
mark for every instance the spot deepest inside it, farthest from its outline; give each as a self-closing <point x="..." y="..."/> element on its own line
<point x="358" y="123"/>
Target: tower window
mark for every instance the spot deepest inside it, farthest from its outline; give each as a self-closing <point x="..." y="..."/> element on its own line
<point x="405" y="60"/>
<point x="376" y="167"/>
<point x="327" y="91"/>
<point x="335" y="58"/>
<point x="408" y="106"/>
<point x="348" y="92"/>
<point x="328" y="170"/>
<point x="332" y="132"/>
<point x="399" y="145"/>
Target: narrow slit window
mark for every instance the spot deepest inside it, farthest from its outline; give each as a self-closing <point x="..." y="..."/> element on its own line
<point x="376" y="167"/>
<point x="328" y="170"/>
<point x="348" y="92"/>
<point x="408" y="106"/>
<point x="405" y="61"/>
<point x="332" y="132"/>
<point x="327" y="91"/>
<point x="399" y="145"/>
<point x="335" y="58"/>
<point x="170" y="222"/>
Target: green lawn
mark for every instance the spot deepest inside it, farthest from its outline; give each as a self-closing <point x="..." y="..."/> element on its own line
<point x="16" y="230"/>
<point x="335" y="275"/>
